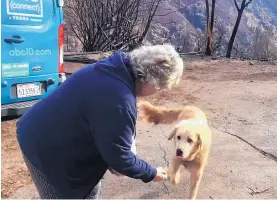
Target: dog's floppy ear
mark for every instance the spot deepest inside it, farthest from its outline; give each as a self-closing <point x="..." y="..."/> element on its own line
<point x="171" y="135"/>
<point x="174" y="131"/>
<point x="199" y="142"/>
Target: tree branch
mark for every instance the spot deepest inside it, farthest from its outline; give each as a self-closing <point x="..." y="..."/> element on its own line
<point x="236" y="4"/>
<point x="248" y="3"/>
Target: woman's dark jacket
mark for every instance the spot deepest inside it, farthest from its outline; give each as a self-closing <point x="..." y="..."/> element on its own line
<point x="85" y="126"/>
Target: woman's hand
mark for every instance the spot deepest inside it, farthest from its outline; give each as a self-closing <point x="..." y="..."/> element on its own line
<point x="161" y="175"/>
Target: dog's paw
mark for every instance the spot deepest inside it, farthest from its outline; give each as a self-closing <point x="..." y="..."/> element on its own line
<point x="174" y="178"/>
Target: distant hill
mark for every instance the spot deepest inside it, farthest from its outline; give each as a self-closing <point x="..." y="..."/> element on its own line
<point x="183" y="22"/>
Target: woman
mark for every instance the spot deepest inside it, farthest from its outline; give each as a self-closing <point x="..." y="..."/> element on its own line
<point x="86" y="126"/>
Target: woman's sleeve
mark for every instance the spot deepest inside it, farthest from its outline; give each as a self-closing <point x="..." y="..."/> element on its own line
<point x="113" y="131"/>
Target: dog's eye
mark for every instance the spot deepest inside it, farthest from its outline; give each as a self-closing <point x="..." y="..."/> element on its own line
<point x="189" y="140"/>
<point x="179" y="137"/>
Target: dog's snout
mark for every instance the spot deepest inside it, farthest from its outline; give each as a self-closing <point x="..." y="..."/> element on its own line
<point x="179" y="152"/>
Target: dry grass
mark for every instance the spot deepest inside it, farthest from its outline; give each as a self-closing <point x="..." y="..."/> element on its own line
<point x="14" y="171"/>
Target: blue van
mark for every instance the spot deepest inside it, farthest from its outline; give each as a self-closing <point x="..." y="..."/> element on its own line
<point x="32" y="40"/>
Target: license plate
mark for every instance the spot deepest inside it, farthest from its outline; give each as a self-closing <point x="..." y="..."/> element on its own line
<point x="28" y="90"/>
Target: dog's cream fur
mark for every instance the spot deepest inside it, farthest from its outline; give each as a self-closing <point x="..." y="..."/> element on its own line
<point x="191" y="135"/>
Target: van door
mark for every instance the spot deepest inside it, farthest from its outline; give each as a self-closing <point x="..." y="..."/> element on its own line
<point x="30" y="53"/>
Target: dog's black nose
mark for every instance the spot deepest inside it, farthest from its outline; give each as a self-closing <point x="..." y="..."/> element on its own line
<point x="179" y="152"/>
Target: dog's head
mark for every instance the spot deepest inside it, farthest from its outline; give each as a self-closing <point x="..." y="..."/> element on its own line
<point x="187" y="140"/>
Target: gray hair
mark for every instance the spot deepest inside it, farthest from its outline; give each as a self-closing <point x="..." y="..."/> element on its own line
<point x="159" y="65"/>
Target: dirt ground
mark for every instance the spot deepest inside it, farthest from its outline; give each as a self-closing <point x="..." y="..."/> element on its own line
<point x="241" y="103"/>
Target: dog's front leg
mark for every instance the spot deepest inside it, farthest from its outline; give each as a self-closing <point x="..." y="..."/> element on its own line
<point x="195" y="179"/>
<point x="174" y="171"/>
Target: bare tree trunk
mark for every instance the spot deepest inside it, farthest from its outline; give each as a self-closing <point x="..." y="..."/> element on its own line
<point x="208" y="50"/>
<point x="235" y="30"/>
<point x="210" y="25"/>
<point x="207" y="12"/>
<point x="212" y="15"/>
<point x="233" y="36"/>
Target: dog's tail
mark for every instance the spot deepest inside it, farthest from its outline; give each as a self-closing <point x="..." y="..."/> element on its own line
<point x="158" y="115"/>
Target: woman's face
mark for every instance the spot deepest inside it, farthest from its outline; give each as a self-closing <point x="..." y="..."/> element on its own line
<point x="147" y="90"/>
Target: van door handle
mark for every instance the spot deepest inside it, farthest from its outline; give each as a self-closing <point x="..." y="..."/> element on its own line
<point x="13" y="40"/>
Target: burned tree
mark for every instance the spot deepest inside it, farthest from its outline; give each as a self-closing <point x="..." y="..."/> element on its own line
<point x="240" y="10"/>
<point x="110" y="24"/>
<point x="210" y="25"/>
<point x="219" y="33"/>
